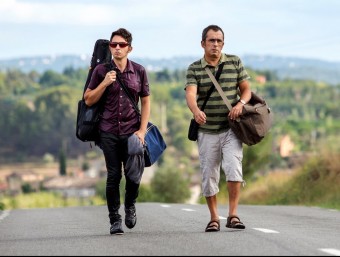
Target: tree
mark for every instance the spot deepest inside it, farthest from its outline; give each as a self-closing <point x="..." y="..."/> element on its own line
<point x="169" y="185"/>
<point x="62" y="163"/>
<point x="163" y="76"/>
<point x="257" y="157"/>
<point x="56" y="112"/>
<point x="18" y="83"/>
<point x="51" y="78"/>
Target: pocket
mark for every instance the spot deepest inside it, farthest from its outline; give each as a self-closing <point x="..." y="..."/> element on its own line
<point x="135" y="87"/>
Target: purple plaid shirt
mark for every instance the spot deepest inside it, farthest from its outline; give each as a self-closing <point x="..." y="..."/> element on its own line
<point x="119" y="116"/>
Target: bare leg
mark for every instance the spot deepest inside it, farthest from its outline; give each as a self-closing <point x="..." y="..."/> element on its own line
<point x="212" y="204"/>
<point x="214" y="224"/>
<point x="234" y="189"/>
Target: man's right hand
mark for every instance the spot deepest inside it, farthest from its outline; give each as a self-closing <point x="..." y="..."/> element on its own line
<point x="200" y="117"/>
<point x="110" y="78"/>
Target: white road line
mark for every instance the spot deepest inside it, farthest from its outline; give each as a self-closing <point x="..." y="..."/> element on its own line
<point x="335" y="252"/>
<point x="189" y="210"/>
<point x="222" y="218"/>
<point x="4" y="214"/>
<point x="165" y="206"/>
<point x="269" y="231"/>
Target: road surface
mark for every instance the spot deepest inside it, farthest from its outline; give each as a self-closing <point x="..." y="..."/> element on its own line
<point x="171" y="229"/>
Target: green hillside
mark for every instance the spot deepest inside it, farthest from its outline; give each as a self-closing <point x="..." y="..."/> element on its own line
<point x="38" y="113"/>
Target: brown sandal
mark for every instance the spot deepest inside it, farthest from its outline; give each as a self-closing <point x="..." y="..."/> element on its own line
<point x="213" y="226"/>
<point x="235" y="224"/>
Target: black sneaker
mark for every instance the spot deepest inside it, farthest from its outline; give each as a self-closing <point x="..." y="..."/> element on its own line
<point x="130" y="217"/>
<point x="116" y="228"/>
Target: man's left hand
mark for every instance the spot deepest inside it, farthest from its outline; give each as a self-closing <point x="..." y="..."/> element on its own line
<point x="141" y="135"/>
<point x="236" y="111"/>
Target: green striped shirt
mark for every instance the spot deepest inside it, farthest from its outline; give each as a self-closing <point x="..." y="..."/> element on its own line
<point x="232" y="74"/>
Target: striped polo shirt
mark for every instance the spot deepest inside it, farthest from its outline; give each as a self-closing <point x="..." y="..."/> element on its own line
<point x="233" y="73"/>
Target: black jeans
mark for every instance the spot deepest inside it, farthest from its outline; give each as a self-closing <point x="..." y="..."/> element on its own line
<point x="115" y="150"/>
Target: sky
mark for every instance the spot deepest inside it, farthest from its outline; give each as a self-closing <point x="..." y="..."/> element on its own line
<point x="171" y="28"/>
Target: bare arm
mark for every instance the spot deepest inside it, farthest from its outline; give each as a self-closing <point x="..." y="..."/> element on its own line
<point x="145" y="112"/>
<point x="191" y="96"/>
<point x="93" y="96"/>
<point x="245" y="91"/>
<point x="245" y="96"/>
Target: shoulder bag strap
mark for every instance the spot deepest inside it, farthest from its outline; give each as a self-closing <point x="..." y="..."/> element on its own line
<point x="211" y="90"/>
<point x="128" y="94"/>
<point x="219" y="89"/>
<point x="218" y="74"/>
<point x="125" y="89"/>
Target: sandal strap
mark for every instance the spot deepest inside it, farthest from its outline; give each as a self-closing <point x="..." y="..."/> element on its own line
<point x="234" y="217"/>
<point x="234" y="224"/>
<point x="210" y="224"/>
<point x="213" y="221"/>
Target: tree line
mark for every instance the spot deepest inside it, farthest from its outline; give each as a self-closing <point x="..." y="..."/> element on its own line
<point x="38" y="115"/>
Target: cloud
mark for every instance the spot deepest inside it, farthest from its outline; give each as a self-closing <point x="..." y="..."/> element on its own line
<point x="171" y="27"/>
<point x="47" y="12"/>
<point x="102" y="12"/>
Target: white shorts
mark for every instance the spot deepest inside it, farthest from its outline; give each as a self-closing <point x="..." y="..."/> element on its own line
<point x="218" y="151"/>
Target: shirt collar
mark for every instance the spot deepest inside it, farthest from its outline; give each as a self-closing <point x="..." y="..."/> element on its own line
<point x="222" y="60"/>
<point x="129" y="66"/>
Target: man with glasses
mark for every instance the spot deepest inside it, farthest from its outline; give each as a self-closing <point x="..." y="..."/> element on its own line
<point x="218" y="145"/>
<point x="120" y="121"/>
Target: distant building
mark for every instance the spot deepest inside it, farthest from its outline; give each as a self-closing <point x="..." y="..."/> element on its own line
<point x="72" y="186"/>
<point x="3" y="188"/>
<point x="16" y="180"/>
<point x="261" y="79"/>
<point x="286" y="146"/>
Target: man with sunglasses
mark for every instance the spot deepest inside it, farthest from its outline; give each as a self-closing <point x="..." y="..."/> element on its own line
<point x="218" y="145"/>
<point x="119" y="122"/>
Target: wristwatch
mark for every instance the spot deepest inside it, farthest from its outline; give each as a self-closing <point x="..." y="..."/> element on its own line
<point x="242" y="101"/>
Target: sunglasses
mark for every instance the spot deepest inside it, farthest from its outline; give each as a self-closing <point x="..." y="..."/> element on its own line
<point x="120" y="44"/>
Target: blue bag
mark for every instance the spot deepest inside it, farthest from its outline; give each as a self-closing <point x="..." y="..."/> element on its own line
<point x="155" y="145"/>
<point x="154" y="142"/>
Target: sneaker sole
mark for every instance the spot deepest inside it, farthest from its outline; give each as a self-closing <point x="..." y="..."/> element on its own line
<point x="118" y="233"/>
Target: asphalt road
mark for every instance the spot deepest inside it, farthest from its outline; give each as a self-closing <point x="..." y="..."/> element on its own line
<point x="171" y="229"/>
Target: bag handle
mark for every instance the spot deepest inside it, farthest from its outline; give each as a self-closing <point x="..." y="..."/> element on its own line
<point x="219" y="89"/>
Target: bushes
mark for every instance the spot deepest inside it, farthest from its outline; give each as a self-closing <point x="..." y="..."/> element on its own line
<point x="47" y="200"/>
<point x="316" y="183"/>
<point x="168" y="185"/>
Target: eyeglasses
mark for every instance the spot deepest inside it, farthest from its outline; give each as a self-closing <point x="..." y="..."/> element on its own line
<point x="218" y="41"/>
<point x="120" y="44"/>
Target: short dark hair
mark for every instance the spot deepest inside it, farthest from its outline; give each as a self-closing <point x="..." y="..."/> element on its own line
<point x="211" y="27"/>
<point x="124" y="34"/>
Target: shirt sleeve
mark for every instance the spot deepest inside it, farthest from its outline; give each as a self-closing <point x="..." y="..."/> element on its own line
<point x="145" y="90"/>
<point x="242" y="73"/>
<point x="97" y="77"/>
<point x="191" y="79"/>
